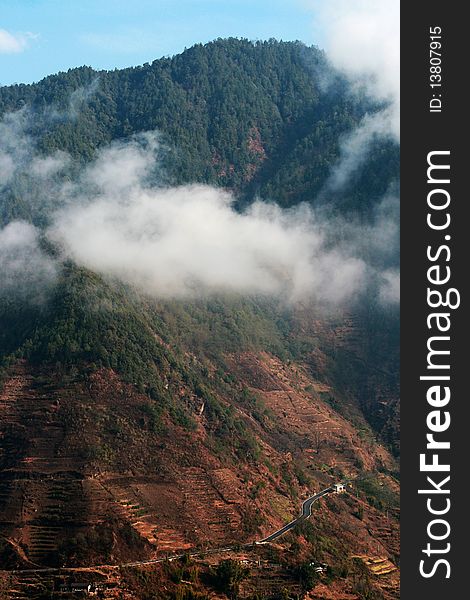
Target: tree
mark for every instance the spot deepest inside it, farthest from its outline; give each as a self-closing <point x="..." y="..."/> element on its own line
<point x="307" y="576"/>
<point x="228" y="576"/>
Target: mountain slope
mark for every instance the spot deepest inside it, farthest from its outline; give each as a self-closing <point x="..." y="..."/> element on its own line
<point x="132" y="426"/>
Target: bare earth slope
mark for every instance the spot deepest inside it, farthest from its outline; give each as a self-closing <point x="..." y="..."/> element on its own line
<point x="87" y="480"/>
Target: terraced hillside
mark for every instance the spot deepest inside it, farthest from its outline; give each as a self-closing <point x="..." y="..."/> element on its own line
<point x="95" y="484"/>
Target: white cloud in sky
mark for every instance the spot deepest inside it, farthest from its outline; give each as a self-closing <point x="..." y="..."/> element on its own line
<point x="13" y="43"/>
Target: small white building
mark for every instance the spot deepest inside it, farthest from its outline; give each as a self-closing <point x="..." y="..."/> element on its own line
<point x="339" y="488"/>
<point x="318" y="567"/>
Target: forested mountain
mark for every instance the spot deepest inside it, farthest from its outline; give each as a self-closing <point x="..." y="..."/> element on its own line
<point x="264" y="118"/>
<point x="134" y="424"/>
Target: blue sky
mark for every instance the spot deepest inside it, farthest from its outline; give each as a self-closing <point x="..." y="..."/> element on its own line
<point x="40" y="37"/>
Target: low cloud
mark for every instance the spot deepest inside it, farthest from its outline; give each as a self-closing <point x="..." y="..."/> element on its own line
<point x="190" y="240"/>
<point x="115" y="218"/>
<point x="15" y="144"/>
<point x="362" y="41"/>
<point x="376" y="243"/>
<point x="356" y="146"/>
<point x="25" y="269"/>
<point x="48" y="166"/>
<point x="35" y="177"/>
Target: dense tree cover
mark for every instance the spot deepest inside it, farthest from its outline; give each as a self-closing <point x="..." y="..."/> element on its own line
<point x="228" y="575"/>
<point x="263" y="118"/>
